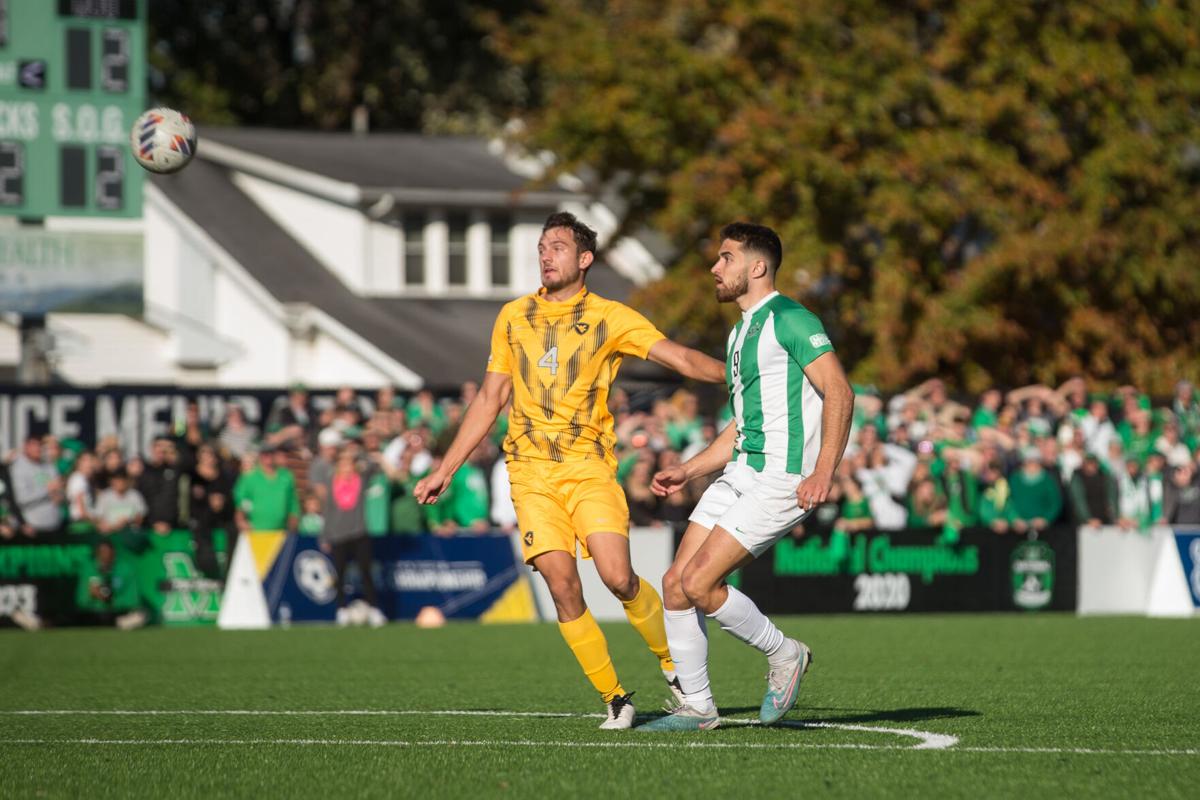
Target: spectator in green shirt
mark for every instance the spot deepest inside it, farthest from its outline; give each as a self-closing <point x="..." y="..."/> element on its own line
<point x="926" y="505"/>
<point x="423" y="409"/>
<point x="1155" y="481"/>
<point x="463" y="507"/>
<point x="855" y="511"/>
<point x="266" y="496"/>
<point x="985" y="415"/>
<point x="994" y="495"/>
<point x="684" y="425"/>
<point x="1137" y="435"/>
<point x="107" y="592"/>
<point x="960" y="488"/>
<point x="312" y="523"/>
<point x="1036" y="498"/>
<point x="1186" y="407"/>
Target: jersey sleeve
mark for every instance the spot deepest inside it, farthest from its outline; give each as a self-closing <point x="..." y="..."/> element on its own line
<point x="801" y="333"/>
<point x="634" y="333"/>
<point x="500" y="356"/>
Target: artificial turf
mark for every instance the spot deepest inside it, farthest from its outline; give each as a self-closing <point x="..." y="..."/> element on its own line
<point x="1040" y="705"/>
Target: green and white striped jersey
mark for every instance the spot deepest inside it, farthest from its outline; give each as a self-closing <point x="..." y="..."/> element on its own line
<point x="775" y="407"/>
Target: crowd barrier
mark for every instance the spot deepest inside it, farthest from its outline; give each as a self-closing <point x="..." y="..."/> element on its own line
<point x="279" y="579"/>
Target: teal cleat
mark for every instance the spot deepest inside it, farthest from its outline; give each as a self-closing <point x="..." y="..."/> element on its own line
<point x="683" y="718"/>
<point x="783" y="685"/>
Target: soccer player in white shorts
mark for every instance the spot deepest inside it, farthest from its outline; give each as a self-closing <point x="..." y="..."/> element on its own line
<point x="791" y="406"/>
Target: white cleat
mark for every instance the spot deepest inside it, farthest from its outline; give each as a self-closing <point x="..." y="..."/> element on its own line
<point x="620" y="713"/>
<point x="132" y="621"/>
<point x="343" y="617"/>
<point x="375" y="618"/>
<point x="27" y="619"/>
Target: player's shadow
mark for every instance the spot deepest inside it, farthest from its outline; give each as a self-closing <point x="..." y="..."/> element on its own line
<point x="860" y="715"/>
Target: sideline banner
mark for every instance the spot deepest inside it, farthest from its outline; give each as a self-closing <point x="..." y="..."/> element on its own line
<point x="916" y="570"/>
<point x="42" y="577"/>
<point x="1189" y="555"/>
<point x="135" y="414"/>
<point x="465" y="577"/>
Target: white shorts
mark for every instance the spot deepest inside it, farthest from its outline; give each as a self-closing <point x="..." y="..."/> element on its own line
<point x="756" y="508"/>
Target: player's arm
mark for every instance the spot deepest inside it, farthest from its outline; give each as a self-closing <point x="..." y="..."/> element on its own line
<point x="706" y="462"/>
<point x="829" y="379"/>
<point x="687" y="362"/>
<point x="477" y="422"/>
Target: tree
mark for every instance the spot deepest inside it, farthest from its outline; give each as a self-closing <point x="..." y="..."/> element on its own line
<point x="988" y="191"/>
<point x="414" y="64"/>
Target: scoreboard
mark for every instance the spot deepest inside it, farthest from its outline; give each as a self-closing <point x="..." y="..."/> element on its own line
<point x="72" y="81"/>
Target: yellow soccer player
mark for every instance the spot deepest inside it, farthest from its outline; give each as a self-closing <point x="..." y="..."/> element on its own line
<point x="556" y="353"/>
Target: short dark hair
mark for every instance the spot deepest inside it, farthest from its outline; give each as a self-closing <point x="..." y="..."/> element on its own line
<point x="758" y="238"/>
<point x="585" y="237"/>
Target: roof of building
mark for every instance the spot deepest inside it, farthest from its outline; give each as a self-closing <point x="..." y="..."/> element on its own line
<point x="384" y="160"/>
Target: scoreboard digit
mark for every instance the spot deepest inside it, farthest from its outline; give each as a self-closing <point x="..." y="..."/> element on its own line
<point x="72" y="78"/>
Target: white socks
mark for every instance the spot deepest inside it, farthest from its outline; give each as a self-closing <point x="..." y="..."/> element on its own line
<point x="687" y="636"/>
<point x="741" y="617"/>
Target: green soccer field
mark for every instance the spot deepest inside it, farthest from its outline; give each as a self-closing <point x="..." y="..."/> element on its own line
<point x="900" y="706"/>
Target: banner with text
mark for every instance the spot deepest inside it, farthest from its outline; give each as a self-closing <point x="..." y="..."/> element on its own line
<point x="916" y="570"/>
<point x="50" y="579"/>
<point x="465" y="577"/>
<point x="135" y="414"/>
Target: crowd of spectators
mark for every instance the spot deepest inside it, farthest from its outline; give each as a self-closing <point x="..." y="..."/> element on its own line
<point x="1011" y="462"/>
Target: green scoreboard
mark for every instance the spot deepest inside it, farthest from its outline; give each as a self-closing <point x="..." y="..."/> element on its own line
<point x="72" y="81"/>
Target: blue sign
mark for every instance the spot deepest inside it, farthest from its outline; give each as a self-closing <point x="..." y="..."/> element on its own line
<point x="463" y="576"/>
<point x="1189" y="554"/>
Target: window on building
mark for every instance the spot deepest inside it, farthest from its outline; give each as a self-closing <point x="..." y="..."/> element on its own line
<point x="456" y="248"/>
<point x="501" y="225"/>
<point x="414" y="248"/>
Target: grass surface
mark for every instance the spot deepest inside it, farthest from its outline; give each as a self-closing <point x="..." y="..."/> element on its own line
<point x="1022" y="694"/>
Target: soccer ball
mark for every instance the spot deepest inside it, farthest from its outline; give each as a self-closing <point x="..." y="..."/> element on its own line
<point x="360" y="612"/>
<point x="163" y="140"/>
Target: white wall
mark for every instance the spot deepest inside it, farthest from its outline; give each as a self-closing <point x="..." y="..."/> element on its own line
<point x="162" y="244"/>
<point x="334" y="234"/>
<point x="94" y="349"/>
<point x="527" y="229"/>
<point x="384" y="256"/>
<point x="329" y="363"/>
<point x="179" y="276"/>
<point x="261" y="332"/>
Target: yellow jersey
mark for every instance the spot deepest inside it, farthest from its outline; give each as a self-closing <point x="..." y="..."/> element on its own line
<point x="563" y="357"/>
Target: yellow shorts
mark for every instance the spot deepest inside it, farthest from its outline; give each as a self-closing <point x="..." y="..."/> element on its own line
<point x="560" y="504"/>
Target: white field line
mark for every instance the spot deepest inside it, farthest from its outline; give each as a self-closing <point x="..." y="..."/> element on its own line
<point x="926" y="739"/>
<point x="674" y="745"/>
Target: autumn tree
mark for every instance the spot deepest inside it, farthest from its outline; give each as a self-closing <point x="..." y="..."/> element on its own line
<point x="995" y="192"/>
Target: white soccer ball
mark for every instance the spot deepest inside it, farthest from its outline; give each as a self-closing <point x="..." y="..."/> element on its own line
<point x="163" y="140"/>
<point x="360" y="612"/>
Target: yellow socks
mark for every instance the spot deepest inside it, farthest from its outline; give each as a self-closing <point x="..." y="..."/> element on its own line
<point x="586" y="641"/>
<point x="645" y="612"/>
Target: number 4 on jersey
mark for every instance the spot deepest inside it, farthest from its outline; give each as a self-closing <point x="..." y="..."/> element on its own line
<point x="550" y="360"/>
